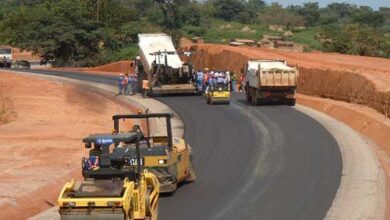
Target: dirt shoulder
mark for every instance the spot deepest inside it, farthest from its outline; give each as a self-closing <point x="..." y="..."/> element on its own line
<point x="111" y="69"/>
<point x="42" y="145"/>
<point x="366" y="121"/>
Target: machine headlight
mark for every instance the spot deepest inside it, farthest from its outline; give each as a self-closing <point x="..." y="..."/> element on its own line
<point x="69" y="204"/>
<point x="112" y="203"/>
<point x="162" y="161"/>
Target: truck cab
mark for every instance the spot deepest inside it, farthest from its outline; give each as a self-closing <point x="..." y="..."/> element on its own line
<point x="5" y="57"/>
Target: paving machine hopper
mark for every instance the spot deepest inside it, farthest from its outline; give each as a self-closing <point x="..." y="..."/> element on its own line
<point x="160" y="69"/>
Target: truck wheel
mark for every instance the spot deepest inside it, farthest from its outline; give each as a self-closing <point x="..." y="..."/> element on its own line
<point x="130" y="215"/>
<point x="192" y="176"/>
<point x="255" y="101"/>
<point x="291" y="102"/>
<point x="154" y="215"/>
<point x="248" y="98"/>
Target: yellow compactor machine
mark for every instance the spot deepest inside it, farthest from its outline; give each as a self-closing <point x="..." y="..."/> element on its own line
<point x="218" y="94"/>
<point x="167" y="157"/>
<point x="114" y="186"/>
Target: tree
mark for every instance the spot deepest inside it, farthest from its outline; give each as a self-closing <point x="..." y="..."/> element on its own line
<point x="56" y="30"/>
<point x="276" y="14"/>
<point x="356" y="39"/>
<point x="309" y="11"/>
<point x="228" y="9"/>
<point x="365" y="15"/>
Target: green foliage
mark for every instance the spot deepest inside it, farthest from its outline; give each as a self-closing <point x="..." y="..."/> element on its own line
<point x="90" y="32"/>
<point x="309" y="11"/>
<point x="307" y="37"/>
<point x="275" y="14"/>
<point x="356" y="39"/>
<point x="228" y="9"/>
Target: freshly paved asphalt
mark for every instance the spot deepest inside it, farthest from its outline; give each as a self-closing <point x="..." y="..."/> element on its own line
<point x="263" y="162"/>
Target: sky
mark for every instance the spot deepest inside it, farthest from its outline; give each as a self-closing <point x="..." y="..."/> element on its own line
<point x="375" y="4"/>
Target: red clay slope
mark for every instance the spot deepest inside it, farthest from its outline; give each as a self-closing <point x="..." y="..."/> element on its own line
<point x="111" y="69"/>
<point x="355" y="79"/>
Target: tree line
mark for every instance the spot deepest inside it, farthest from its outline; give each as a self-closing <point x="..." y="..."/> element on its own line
<point x="90" y="32"/>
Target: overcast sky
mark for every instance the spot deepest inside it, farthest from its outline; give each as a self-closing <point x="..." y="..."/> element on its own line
<point x="372" y="3"/>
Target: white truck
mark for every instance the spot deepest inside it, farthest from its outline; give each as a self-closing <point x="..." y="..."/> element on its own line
<point x="159" y="67"/>
<point x="5" y="57"/>
<point x="271" y="81"/>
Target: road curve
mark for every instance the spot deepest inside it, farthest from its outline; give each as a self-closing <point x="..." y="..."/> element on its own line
<point x="264" y="162"/>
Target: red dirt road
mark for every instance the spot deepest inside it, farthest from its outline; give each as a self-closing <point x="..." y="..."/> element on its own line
<point x="41" y="146"/>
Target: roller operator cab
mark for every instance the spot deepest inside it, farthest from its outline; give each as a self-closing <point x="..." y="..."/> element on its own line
<point x="114" y="186"/>
<point x="217" y="94"/>
<point x="167" y="157"/>
<point x="5" y="57"/>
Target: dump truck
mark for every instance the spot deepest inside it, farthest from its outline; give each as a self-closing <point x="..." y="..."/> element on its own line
<point x="114" y="187"/>
<point x="167" y="157"/>
<point x="5" y="57"/>
<point x="160" y="69"/>
<point x="271" y="81"/>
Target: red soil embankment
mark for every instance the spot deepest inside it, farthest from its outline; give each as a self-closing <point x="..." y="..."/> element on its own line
<point x="355" y="79"/>
<point x="364" y="120"/>
<point x="41" y="147"/>
<point x="111" y="69"/>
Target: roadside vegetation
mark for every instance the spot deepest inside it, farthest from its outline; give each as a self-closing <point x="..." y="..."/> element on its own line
<point x="92" y="32"/>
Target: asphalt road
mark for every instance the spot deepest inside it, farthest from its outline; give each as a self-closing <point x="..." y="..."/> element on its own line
<point x="264" y="162"/>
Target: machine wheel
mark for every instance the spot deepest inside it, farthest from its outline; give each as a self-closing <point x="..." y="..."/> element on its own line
<point x="154" y="215"/>
<point x="191" y="171"/>
<point x="130" y="215"/>
<point x="248" y="98"/>
<point x="208" y="101"/>
<point x="291" y="102"/>
<point x="255" y="101"/>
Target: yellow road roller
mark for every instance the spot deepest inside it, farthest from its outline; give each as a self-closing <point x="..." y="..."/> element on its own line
<point x="218" y="94"/>
<point x="113" y="187"/>
<point x="167" y="157"/>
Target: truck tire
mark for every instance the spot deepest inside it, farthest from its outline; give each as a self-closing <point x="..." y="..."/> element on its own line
<point x="291" y="102"/>
<point x="248" y="98"/>
<point x="255" y="101"/>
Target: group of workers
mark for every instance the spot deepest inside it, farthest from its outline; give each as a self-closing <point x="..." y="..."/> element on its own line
<point x="127" y="84"/>
<point x="205" y="79"/>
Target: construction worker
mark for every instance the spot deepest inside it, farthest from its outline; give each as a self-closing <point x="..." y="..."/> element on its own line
<point x="120" y="83"/>
<point x="134" y="87"/>
<point x="96" y="151"/>
<point x="220" y="79"/>
<point x="145" y="87"/>
<point x="233" y="82"/>
<point x="126" y="84"/>
<point x="91" y="163"/>
<point x="199" y="80"/>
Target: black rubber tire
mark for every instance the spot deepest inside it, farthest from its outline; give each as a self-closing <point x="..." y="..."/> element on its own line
<point x="248" y="98"/>
<point x="255" y="101"/>
<point x="291" y="102"/>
